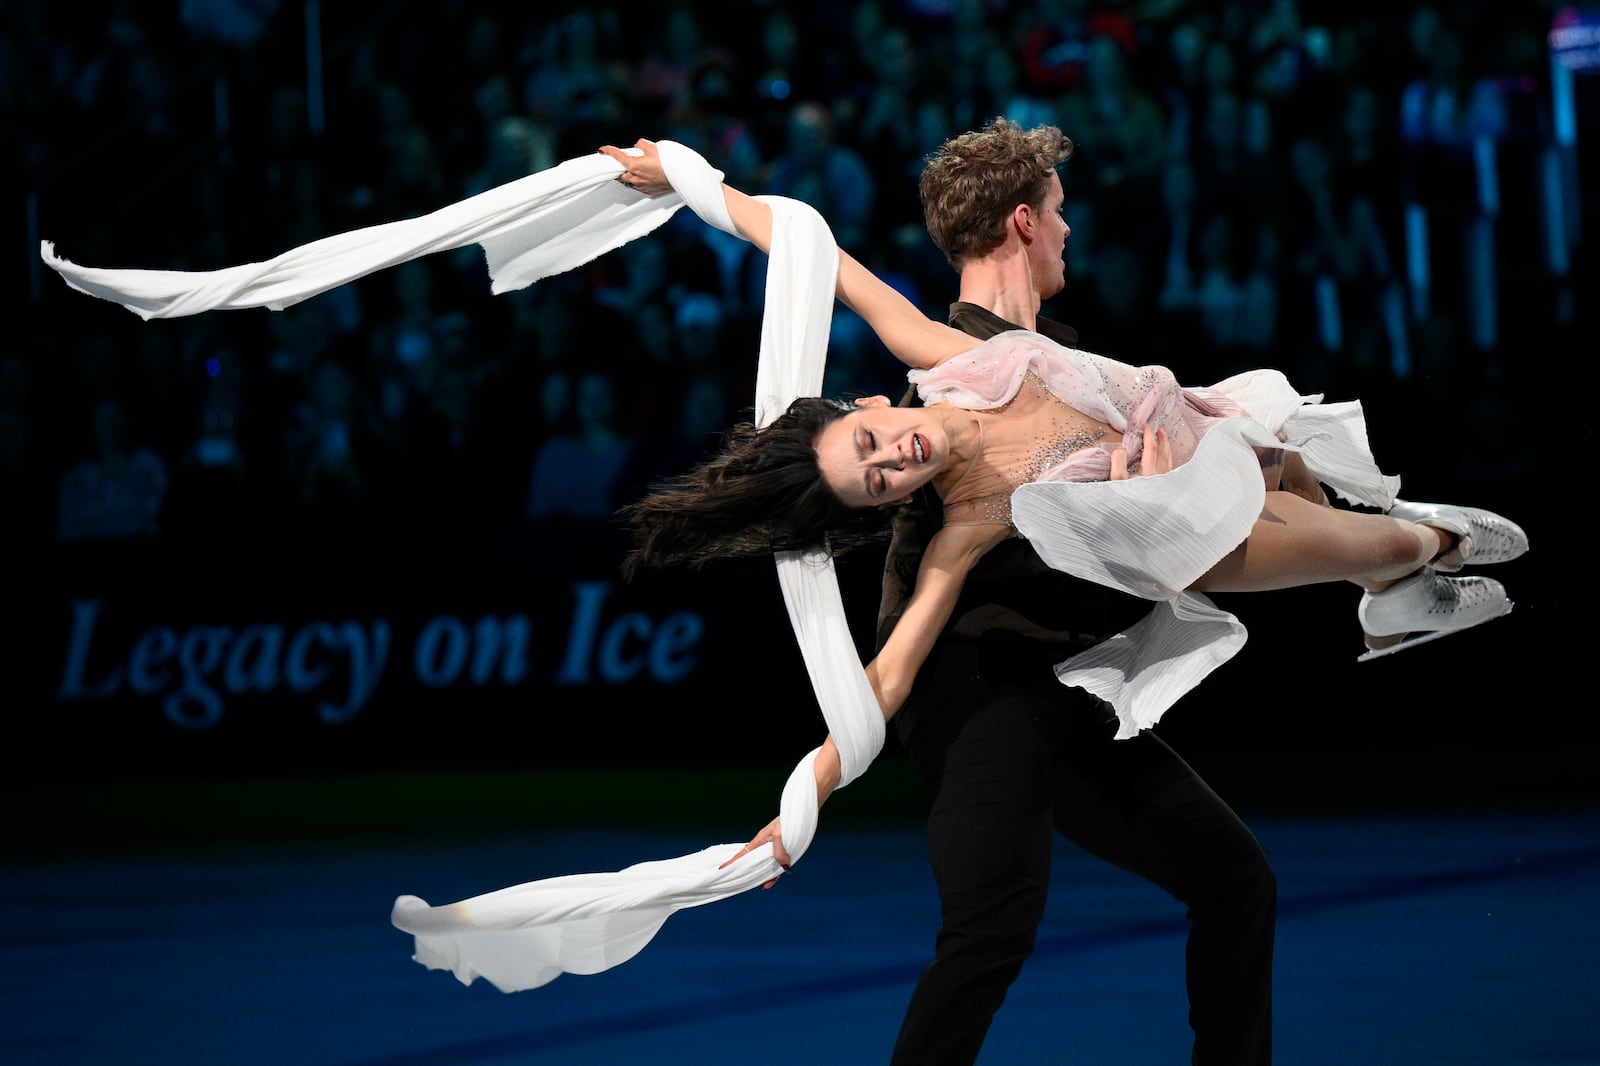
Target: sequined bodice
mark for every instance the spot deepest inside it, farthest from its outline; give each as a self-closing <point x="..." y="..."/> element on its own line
<point x="1053" y="413"/>
<point x="1022" y="440"/>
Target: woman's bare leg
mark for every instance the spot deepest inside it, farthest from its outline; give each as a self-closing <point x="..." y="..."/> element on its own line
<point x="1296" y="542"/>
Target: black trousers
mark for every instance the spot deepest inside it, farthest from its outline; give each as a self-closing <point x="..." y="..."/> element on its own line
<point x="1009" y="757"/>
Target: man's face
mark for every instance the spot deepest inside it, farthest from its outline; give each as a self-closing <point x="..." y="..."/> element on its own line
<point x="1047" y="251"/>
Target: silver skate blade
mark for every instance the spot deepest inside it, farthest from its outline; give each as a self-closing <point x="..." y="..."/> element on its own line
<point x="1423" y="638"/>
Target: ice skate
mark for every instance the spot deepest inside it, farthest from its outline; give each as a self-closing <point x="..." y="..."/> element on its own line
<point x="1484" y="537"/>
<point x="1426" y="606"/>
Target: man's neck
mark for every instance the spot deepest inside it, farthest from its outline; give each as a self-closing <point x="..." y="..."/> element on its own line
<point x="1004" y="286"/>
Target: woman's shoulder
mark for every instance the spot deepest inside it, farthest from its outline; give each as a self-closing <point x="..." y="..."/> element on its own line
<point x="1019" y="336"/>
<point x="991" y="373"/>
<point x="1011" y="344"/>
<point x="1036" y="347"/>
<point x="982" y="376"/>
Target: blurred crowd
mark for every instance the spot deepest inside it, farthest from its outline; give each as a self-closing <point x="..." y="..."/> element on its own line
<point x="1256" y="183"/>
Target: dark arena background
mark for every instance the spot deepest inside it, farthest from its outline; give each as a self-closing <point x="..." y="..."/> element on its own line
<point x="332" y="594"/>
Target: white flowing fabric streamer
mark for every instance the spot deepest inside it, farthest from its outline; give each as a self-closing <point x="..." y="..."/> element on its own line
<point x="531" y="228"/>
<point x="527" y="935"/>
<point x="802" y="272"/>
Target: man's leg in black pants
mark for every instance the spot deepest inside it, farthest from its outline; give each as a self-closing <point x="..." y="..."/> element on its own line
<point x="985" y="756"/>
<point x="1138" y="805"/>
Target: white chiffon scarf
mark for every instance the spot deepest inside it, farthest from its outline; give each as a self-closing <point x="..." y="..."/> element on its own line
<point x="527" y="935"/>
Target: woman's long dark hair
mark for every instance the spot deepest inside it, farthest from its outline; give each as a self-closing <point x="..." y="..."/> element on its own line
<point x="762" y="492"/>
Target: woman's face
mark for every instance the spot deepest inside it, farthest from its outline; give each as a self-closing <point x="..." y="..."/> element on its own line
<point x="878" y="454"/>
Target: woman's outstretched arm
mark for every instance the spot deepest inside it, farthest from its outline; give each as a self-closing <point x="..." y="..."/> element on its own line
<point x="951" y="554"/>
<point x="949" y="557"/>
<point x="911" y="336"/>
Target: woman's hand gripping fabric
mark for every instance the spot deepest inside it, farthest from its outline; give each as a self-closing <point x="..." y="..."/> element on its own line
<point x="641" y="167"/>
<point x="773" y="835"/>
<point x="1154" y="458"/>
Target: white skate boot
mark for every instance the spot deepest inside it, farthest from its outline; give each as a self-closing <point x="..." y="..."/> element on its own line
<point x="1485" y="536"/>
<point x="1427" y="606"/>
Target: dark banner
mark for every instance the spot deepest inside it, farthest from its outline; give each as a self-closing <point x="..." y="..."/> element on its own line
<point x="474" y="644"/>
<point x="509" y="644"/>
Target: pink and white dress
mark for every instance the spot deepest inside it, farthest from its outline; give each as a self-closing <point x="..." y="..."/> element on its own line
<point x="1150" y="536"/>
